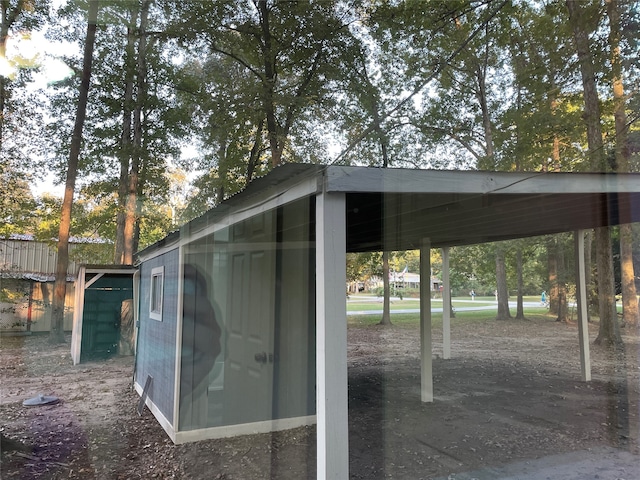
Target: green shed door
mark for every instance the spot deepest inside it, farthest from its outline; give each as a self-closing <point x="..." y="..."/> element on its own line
<point x="102" y="313"/>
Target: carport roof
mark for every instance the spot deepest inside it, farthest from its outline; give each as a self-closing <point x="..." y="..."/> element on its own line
<point x="394" y="209"/>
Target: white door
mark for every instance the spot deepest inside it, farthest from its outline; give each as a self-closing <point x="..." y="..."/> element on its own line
<point x="248" y="389"/>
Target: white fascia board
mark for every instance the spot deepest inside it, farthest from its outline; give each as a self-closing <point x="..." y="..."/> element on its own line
<point x="253" y="428"/>
<point x="388" y="180"/>
<point x="270" y="199"/>
<point x="110" y="271"/>
<point x="158" y="251"/>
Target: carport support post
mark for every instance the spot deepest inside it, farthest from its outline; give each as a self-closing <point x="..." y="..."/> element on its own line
<point x="581" y="301"/>
<point x="446" y="306"/>
<point x="426" y="367"/>
<point x="331" y="338"/>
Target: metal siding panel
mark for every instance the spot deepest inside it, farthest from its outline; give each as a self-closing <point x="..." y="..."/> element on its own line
<point x="31" y="257"/>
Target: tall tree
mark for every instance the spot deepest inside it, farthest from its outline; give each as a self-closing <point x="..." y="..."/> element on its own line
<point x="60" y="286"/>
<point x="290" y="50"/>
<point x="539" y="130"/>
<point x="501" y="284"/>
<point x="629" y="295"/>
<point x="367" y="101"/>
<point x="134" y="123"/>
<point x="131" y="204"/>
<point x="520" y="281"/>
<point x="552" y="269"/>
<point x="609" y="333"/>
<point x="229" y="126"/>
<point x="125" y="146"/>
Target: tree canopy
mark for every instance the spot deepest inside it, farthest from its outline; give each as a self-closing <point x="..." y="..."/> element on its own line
<point x="190" y="100"/>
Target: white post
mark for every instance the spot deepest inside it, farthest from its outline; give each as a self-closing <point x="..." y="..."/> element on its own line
<point x="331" y="338"/>
<point x="78" y="313"/>
<point x="446" y="306"/>
<point x="581" y="300"/>
<point x="426" y="367"/>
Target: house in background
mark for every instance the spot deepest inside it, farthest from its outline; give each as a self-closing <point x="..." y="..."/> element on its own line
<point x="402" y="280"/>
<point x="242" y="313"/>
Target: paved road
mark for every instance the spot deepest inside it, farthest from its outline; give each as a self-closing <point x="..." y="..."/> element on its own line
<point x="481" y="306"/>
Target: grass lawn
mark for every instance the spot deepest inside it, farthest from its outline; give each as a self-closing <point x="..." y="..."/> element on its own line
<point x="461" y="318"/>
<point x="353" y="304"/>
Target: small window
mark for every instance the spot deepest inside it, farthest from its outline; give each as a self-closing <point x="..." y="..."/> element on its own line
<point x="155" y="303"/>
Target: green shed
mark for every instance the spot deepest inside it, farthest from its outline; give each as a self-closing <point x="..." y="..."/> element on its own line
<point x="103" y="320"/>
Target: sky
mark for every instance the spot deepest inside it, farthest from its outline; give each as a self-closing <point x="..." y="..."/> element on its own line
<point x="33" y="49"/>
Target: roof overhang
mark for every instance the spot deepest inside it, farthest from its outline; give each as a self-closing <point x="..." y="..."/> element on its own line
<point x="394" y="209"/>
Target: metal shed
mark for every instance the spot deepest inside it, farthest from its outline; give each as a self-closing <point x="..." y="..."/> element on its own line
<point x="28" y="266"/>
<point x="242" y="311"/>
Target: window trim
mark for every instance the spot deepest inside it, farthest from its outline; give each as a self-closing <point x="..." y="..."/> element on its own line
<point x="156" y="292"/>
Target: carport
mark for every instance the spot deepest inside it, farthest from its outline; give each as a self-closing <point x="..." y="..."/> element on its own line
<point x="318" y="214"/>
<point x="366" y="209"/>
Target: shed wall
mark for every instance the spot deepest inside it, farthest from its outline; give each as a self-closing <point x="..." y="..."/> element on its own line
<point x="156" y="354"/>
<point x="248" y="327"/>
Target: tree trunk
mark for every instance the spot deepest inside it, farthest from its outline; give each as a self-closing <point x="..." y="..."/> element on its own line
<point x="591" y="114"/>
<point x="254" y="156"/>
<point x="131" y="213"/>
<point x="609" y="333"/>
<point x="386" y="303"/>
<point x="136" y="230"/>
<point x="552" y="265"/>
<point x="223" y="169"/>
<point x="269" y="84"/>
<point x="629" y="294"/>
<point x="486" y="119"/>
<point x="520" y="303"/>
<point x="125" y="138"/>
<point x="563" y="307"/>
<point x="481" y="94"/>
<point x="503" y="292"/>
<point x="592" y="291"/>
<point x="60" y="287"/>
<point x="386" y="308"/>
<point x="555" y="152"/>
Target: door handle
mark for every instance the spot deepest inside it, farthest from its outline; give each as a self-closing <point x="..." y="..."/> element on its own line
<point x="264" y="357"/>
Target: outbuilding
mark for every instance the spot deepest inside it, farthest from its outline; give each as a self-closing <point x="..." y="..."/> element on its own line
<point x="103" y="314"/>
<point x="242" y="316"/>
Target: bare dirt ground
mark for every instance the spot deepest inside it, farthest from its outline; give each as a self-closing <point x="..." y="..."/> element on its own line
<point x="509" y="404"/>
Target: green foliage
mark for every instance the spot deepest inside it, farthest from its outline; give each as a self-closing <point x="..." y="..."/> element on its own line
<point x="441" y="84"/>
<point x="17" y="206"/>
<point x="256" y="78"/>
<point x="474" y="267"/>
